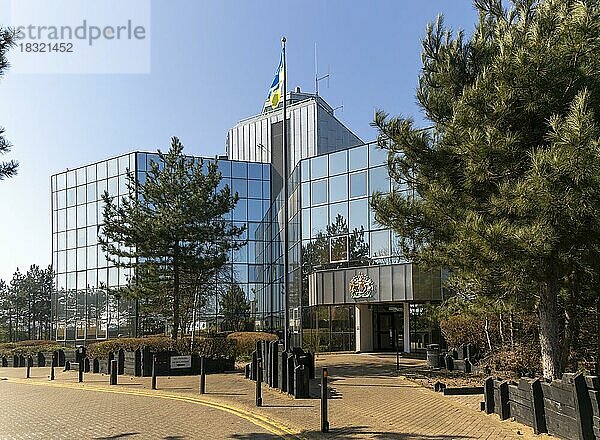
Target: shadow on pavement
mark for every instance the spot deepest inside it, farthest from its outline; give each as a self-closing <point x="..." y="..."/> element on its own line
<point x="116" y="436"/>
<point x="225" y="394"/>
<point x="352" y="433"/>
<point x="380" y="385"/>
<point x="177" y="389"/>
<point x="288" y="406"/>
<point x="365" y="369"/>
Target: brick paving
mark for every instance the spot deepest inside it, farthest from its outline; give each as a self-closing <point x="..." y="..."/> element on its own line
<point x="367" y="400"/>
<point x="35" y="412"/>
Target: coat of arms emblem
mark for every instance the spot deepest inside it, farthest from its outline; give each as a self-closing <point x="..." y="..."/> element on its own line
<point x="361" y="286"/>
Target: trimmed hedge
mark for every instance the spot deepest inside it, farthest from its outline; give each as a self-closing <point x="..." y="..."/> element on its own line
<point x="246" y="341"/>
<point x="211" y="347"/>
<point x="234" y="345"/>
<point x="154" y="343"/>
<point x="28" y="348"/>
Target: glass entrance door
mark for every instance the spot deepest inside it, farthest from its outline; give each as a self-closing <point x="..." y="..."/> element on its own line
<point x="385" y="331"/>
<point x="389" y="328"/>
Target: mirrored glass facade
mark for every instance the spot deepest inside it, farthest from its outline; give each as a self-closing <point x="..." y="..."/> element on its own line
<point x="82" y="308"/>
<point x="331" y="226"/>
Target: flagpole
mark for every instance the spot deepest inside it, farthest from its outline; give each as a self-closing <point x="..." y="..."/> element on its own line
<point x="286" y="260"/>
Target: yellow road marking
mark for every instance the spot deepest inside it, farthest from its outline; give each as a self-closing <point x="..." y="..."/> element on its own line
<point x="256" y="419"/>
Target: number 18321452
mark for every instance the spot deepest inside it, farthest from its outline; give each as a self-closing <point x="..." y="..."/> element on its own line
<point x="46" y="47"/>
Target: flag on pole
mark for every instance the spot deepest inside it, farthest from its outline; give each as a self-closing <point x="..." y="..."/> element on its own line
<point x="276" y="89"/>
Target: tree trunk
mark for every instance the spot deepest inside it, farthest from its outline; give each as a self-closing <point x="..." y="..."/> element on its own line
<point x="487" y="333"/>
<point x="194" y="318"/>
<point x="512" y="332"/>
<point x="570" y="331"/>
<point x="500" y="329"/>
<point x="597" y="336"/>
<point x="549" y="330"/>
<point x="175" y="329"/>
<point x="10" y="326"/>
<point x="17" y="338"/>
<point x="29" y="317"/>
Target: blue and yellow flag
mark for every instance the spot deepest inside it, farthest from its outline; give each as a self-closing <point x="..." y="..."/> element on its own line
<point x="276" y="89"/>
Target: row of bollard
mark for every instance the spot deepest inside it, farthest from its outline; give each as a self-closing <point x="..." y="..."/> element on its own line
<point x="52" y="374"/>
<point x="257" y="374"/>
<point x="288" y="371"/>
<point x="30" y="364"/>
<point x="114" y="370"/>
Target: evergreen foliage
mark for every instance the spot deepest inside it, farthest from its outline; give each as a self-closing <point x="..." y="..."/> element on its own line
<point x="25" y="305"/>
<point x="235" y="309"/>
<point x="7" y="41"/>
<point x="507" y="182"/>
<point x="172" y="230"/>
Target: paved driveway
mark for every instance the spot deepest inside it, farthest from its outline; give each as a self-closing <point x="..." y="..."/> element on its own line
<point x="44" y="412"/>
<point x="368" y="401"/>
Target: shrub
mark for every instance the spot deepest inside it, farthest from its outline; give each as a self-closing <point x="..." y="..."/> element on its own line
<point x="27" y="348"/>
<point x="216" y="347"/>
<point x="204" y="346"/>
<point x="246" y="341"/>
<point x="154" y="343"/>
<point x="310" y="340"/>
<point x="466" y="329"/>
<point x="523" y="360"/>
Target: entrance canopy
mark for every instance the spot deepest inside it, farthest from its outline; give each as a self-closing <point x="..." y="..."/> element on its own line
<point x="374" y="284"/>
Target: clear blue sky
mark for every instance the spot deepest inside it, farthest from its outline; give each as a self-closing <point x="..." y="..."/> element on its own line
<point x="212" y="63"/>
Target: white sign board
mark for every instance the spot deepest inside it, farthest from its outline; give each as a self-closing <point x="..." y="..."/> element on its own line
<point x="181" y="362"/>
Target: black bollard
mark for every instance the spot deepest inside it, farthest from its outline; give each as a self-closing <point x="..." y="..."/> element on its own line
<point x="254" y="364"/>
<point x="81" y="368"/>
<point x="202" y="375"/>
<point x="259" y="355"/>
<point x="468" y="365"/>
<point x="449" y="362"/>
<point x="154" y="372"/>
<point x="397" y="351"/>
<point x="324" y="421"/>
<point x="52" y="369"/>
<point x="282" y="376"/>
<point x="258" y="382"/>
<point x="290" y="373"/>
<point x="274" y="364"/>
<point x="113" y="372"/>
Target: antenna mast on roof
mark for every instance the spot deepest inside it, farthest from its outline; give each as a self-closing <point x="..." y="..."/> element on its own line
<point x="317" y="78"/>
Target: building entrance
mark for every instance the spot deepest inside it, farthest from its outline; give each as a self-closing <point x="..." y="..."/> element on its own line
<point x="389" y="328"/>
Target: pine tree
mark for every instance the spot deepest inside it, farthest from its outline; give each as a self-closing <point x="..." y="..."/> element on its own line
<point x="7" y="41"/>
<point x="235" y="308"/>
<point x="507" y="182"/>
<point x="5" y="309"/>
<point x="171" y="229"/>
<point x="17" y="305"/>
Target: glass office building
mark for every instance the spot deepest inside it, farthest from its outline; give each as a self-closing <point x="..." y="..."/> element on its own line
<point x="350" y="287"/>
<point x="82" y="308"/>
<point x="334" y="237"/>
